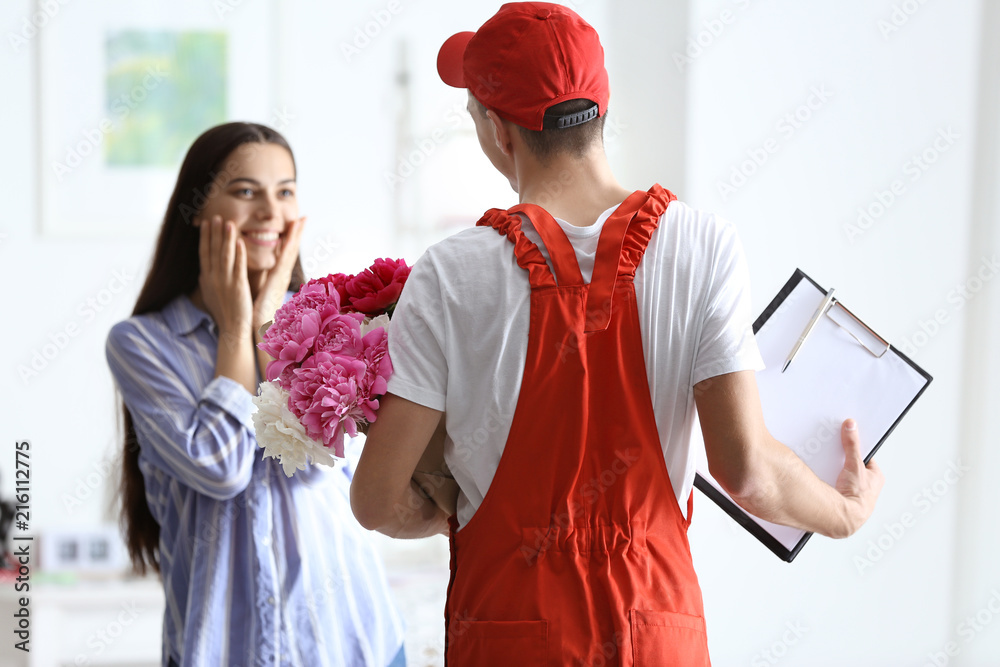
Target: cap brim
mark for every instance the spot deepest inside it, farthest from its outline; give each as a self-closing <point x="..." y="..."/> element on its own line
<point x="451" y="57"/>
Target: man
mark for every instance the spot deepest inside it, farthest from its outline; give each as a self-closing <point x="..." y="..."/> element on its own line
<point x="568" y="341"/>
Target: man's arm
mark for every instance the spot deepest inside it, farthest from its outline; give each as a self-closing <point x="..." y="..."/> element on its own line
<point x="766" y="478"/>
<point x="383" y="495"/>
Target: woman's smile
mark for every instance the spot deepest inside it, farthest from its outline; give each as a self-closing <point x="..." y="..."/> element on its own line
<point x="267" y="238"/>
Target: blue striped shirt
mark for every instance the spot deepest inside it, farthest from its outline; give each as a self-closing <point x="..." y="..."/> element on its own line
<point x="257" y="568"/>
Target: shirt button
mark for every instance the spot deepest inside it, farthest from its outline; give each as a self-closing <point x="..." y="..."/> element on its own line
<point x="266" y="541"/>
<point x="270" y="600"/>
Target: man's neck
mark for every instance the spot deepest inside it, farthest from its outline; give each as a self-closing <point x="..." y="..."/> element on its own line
<point x="577" y="190"/>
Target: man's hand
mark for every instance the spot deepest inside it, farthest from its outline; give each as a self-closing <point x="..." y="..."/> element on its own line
<point x="384" y="495"/>
<point x="768" y="479"/>
<point x="433" y="476"/>
<point x="859" y="484"/>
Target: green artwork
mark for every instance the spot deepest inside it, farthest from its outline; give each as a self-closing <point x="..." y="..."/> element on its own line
<point x="163" y="90"/>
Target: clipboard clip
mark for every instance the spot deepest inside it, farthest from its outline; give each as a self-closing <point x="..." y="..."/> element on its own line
<point x="857" y="329"/>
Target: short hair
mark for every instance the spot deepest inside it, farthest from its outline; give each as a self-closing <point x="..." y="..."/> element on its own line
<point x="575" y="141"/>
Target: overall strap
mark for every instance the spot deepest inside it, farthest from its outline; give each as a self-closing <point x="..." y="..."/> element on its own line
<point x="640" y="230"/>
<point x="529" y="257"/>
<point x="561" y="251"/>
<point x="619" y="251"/>
<point x="620" y="248"/>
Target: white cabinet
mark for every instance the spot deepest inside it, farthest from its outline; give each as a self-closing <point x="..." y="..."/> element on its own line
<point x="103" y="623"/>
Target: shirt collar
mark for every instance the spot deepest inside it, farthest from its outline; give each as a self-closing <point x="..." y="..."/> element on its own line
<point x="183" y="317"/>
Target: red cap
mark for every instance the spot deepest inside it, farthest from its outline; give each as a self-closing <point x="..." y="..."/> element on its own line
<point x="527" y="58"/>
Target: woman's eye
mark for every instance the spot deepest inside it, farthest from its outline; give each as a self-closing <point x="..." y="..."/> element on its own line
<point x="287" y="192"/>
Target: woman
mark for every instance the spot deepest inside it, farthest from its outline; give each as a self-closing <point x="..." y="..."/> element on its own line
<point x="257" y="568"/>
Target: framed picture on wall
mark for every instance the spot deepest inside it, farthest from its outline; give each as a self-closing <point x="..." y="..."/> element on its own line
<point x="125" y="87"/>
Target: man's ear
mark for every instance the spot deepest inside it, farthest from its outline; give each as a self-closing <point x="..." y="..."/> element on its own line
<point x="501" y="132"/>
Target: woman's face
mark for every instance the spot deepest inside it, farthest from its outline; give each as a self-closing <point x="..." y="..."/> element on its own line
<point x="255" y="189"/>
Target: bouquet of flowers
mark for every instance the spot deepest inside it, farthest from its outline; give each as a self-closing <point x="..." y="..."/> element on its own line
<point x="331" y="363"/>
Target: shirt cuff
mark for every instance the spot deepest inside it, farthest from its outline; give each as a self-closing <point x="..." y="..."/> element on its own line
<point x="748" y="360"/>
<point x="232" y="397"/>
<point x="419" y="395"/>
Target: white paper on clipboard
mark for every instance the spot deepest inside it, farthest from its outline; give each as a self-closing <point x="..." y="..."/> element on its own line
<point x="842" y="370"/>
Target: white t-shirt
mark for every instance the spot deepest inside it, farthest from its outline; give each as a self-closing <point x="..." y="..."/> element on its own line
<point x="458" y="338"/>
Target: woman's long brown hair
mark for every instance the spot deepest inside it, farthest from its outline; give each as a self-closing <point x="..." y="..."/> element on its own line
<point x="174" y="272"/>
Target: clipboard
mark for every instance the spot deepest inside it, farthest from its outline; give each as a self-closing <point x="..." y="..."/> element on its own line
<point x="844" y="369"/>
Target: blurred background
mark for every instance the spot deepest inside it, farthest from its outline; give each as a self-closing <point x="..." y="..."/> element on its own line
<point x="857" y="140"/>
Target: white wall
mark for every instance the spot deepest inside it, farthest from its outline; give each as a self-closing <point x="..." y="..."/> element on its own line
<point x="889" y="97"/>
<point x="67" y="409"/>
<point x="977" y="539"/>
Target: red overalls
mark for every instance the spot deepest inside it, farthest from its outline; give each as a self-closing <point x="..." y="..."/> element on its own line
<point x="578" y="554"/>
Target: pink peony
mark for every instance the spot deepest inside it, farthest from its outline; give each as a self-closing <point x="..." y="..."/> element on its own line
<point x="312" y="295"/>
<point x="299" y="325"/>
<point x="315" y="294"/>
<point x="339" y="283"/>
<point x="341" y="334"/>
<point x="290" y="343"/>
<point x="327" y="396"/>
<point x="378" y="367"/>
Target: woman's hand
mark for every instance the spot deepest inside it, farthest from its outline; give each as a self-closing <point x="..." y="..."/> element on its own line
<point x="225" y="293"/>
<point x="274" y="283"/>
<point x="222" y="280"/>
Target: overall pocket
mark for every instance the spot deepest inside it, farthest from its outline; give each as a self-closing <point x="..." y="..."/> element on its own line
<point x="498" y="644"/>
<point x="668" y="639"/>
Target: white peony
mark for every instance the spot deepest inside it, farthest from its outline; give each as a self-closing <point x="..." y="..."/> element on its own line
<point x="371" y="323"/>
<point x="281" y="435"/>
